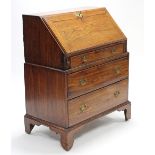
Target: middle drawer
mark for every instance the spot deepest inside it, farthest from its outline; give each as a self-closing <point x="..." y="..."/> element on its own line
<point x="89" y="79"/>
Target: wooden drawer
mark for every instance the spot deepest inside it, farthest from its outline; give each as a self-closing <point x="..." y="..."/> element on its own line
<point x="96" y="77"/>
<point x="91" y="104"/>
<point x="97" y="54"/>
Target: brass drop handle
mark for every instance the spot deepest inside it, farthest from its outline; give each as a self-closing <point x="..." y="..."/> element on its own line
<point x="117" y="70"/>
<point x="83" y="107"/>
<point x="84" y="58"/>
<point x="79" y="14"/>
<point x="116" y="93"/>
<point x="83" y="82"/>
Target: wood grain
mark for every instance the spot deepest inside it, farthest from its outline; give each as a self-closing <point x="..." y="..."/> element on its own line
<point x="45" y="91"/>
<point x="76" y="70"/>
<point x="97" y="102"/>
<point x="40" y="47"/>
<point x="95" y="28"/>
<point x="67" y="135"/>
<point x="96" y="63"/>
<point x="96" y="77"/>
<point x="95" y="55"/>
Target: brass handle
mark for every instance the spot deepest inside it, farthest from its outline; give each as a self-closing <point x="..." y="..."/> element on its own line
<point x="113" y="50"/>
<point x="117" y="70"/>
<point x="83" y="82"/>
<point x="83" y="107"/>
<point x="79" y="14"/>
<point x="84" y="58"/>
<point x="116" y="93"/>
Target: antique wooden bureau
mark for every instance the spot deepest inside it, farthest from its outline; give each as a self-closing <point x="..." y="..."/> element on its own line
<point x="76" y="70"/>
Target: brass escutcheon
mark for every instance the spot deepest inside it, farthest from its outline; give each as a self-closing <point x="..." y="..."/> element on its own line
<point x="83" y="82"/>
<point x="117" y="70"/>
<point x="116" y="93"/>
<point x="83" y="107"/>
<point x="84" y="58"/>
<point x="79" y="14"/>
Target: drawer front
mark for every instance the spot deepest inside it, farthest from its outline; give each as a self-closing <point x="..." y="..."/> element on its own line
<point x="96" y="77"/>
<point x="91" y="104"/>
<point x="96" y="55"/>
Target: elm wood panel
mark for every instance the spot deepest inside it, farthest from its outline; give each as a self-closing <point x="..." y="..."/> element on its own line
<point x="95" y="77"/>
<point x="45" y="91"/>
<point x="95" y="28"/>
<point x="39" y="45"/>
<point x="97" y="54"/>
<point x="91" y="104"/>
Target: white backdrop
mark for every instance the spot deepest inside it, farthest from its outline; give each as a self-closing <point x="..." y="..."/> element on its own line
<point x="108" y="135"/>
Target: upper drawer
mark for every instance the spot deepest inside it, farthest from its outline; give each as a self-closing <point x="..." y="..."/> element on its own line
<point x="96" y="77"/>
<point x="97" y="54"/>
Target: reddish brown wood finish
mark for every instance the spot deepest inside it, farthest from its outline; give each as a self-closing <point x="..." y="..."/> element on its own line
<point x="39" y="45"/>
<point x="28" y="125"/>
<point x="67" y="135"/>
<point x="42" y="47"/>
<point x="96" y="27"/>
<point x="97" y="54"/>
<point x="45" y="91"/>
<point x="127" y="111"/>
<point x="76" y="70"/>
<point x="84" y="81"/>
<point x="97" y="63"/>
<point x="93" y="103"/>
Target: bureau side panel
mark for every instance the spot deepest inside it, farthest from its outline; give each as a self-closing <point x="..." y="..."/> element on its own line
<point x="45" y="91"/>
<point x="40" y="46"/>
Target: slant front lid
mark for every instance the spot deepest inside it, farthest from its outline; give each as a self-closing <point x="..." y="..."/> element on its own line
<point x="84" y="29"/>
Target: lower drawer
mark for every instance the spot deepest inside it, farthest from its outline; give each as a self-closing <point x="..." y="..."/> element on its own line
<point x="93" y="103"/>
